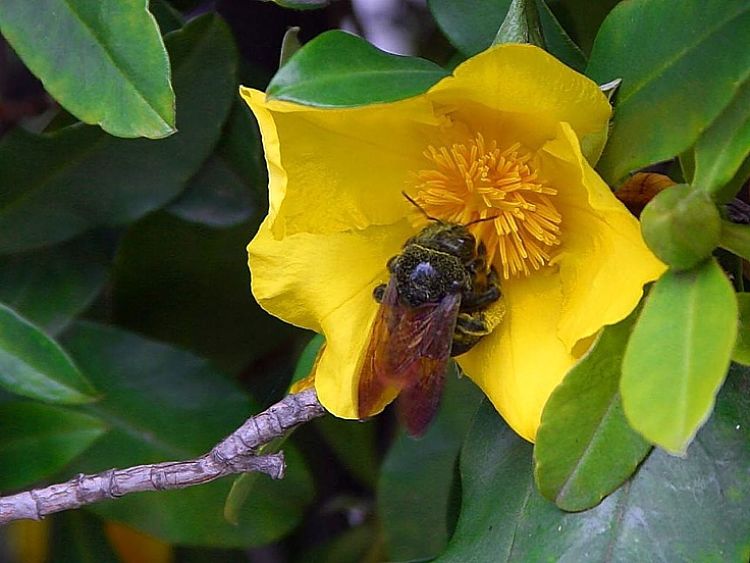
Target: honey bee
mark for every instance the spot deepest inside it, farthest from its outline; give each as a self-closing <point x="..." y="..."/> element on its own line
<point x="432" y="308"/>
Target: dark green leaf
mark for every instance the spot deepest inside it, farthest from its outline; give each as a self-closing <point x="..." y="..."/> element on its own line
<point x="50" y="287"/>
<point x="735" y="238"/>
<point x="675" y="72"/>
<point x="337" y="69"/>
<point x="678" y="355"/>
<point x="585" y="448"/>
<point x="215" y="197"/>
<point x="103" y="61"/>
<point x="692" y="509"/>
<point x="307" y="358"/>
<point x="521" y="24"/>
<point x="225" y="191"/>
<point x="34" y="365"/>
<point x="741" y="351"/>
<point x="37" y="440"/>
<point x="162" y="404"/>
<point x="83" y="178"/>
<point x="78" y="537"/>
<point x="166" y="16"/>
<point x="355" y="446"/>
<point x="289" y="45"/>
<point x="161" y="262"/>
<point x="414" y="492"/>
<point x="472" y="31"/>
<point x="722" y="148"/>
<point x="583" y="18"/>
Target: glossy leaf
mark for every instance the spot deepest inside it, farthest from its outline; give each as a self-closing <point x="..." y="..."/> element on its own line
<point x="521" y="25"/>
<point x="37" y="440"/>
<point x="103" y="61"/>
<point x="741" y="353"/>
<point x="721" y="149"/>
<point x="83" y="178"/>
<point x="663" y="51"/>
<point x="162" y="404"/>
<point x="585" y="448"/>
<point x="583" y="18"/>
<point x="735" y="238"/>
<point x="472" y="31"/>
<point x="416" y="480"/>
<point x="154" y="292"/>
<point x="337" y="69"/>
<point x="50" y="287"/>
<point x="33" y="365"/>
<point x="678" y="355"/>
<point x="692" y="509"/>
<point x="226" y="190"/>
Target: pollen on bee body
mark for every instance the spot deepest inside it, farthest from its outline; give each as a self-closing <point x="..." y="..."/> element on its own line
<point x="478" y="180"/>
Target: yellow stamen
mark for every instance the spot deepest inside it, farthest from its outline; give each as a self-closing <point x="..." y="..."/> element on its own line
<point x="478" y="180"/>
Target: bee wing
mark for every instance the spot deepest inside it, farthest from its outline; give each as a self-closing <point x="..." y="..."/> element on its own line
<point x="420" y="396"/>
<point x="408" y="351"/>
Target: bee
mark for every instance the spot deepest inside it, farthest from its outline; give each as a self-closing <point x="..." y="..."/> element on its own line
<point x="432" y="308"/>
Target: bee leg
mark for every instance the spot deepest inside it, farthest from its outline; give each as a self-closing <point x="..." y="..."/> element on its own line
<point x="379" y="292"/>
<point x="470" y="328"/>
<point x="481" y="300"/>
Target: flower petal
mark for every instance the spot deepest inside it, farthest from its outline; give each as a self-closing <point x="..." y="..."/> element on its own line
<point x="337" y="169"/>
<point x="523" y="360"/>
<point x="324" y="282"/>
<point x="603" y="260"/>
<point x="525" y="80"/>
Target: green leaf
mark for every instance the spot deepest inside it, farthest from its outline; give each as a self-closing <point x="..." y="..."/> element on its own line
<point x="337" y="69"/>
<point x="741" y="352"/>
<point x="722" y="148"/>
<point x="51" y="287"/>
<point x="290" y="44"/>
<point x="227" y="189"/>
<point x="354" y="445"/>
<point x="414" y="492"/>
<point x="78" y="537"/>
<point x="675" y="72"/>
<point x="36" y="440"/>
<point x="34" y="365"/>
<point x="583" y="18"/>
<point x="735" y="238"/>
<point x="160" y="263"/>
<point x="162" y="404"/>
<point x="168" y="18"/>
<point x="473" y="31"/>
<point x="307" y="358"/>
<point x="678" y="355"/>
<point x="692" y="509"/>
<point x="103" y="61"/>
<point x="585" y="448"/>
<point x="83" y="178"/>
<point x="521" y="25"/>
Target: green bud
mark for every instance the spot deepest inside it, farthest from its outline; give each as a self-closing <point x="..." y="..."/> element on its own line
<point x="681" y="225"/>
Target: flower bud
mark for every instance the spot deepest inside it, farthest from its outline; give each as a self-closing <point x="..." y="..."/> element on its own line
<point x="681" y="225"/>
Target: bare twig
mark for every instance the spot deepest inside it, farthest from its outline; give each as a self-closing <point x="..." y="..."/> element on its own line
<point x="237" y="453"/>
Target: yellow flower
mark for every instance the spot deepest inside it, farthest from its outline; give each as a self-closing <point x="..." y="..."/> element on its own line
<point x="499" y="138"/>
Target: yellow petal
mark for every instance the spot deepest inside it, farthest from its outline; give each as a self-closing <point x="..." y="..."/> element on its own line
<point x="523" y="360"/>
<point x="337" y="169"/>
<point x="528" y="82"/>
<point x="603" y="260"/>
<point x="324" y="282"/>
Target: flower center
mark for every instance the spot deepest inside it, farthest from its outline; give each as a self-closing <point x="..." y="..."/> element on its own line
<point x="473" y="181"/>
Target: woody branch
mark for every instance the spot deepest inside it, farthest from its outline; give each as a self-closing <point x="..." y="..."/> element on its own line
<point x="237" y="453"/>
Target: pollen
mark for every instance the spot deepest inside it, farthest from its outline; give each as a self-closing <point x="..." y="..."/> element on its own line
<point x="499" y="190"/>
